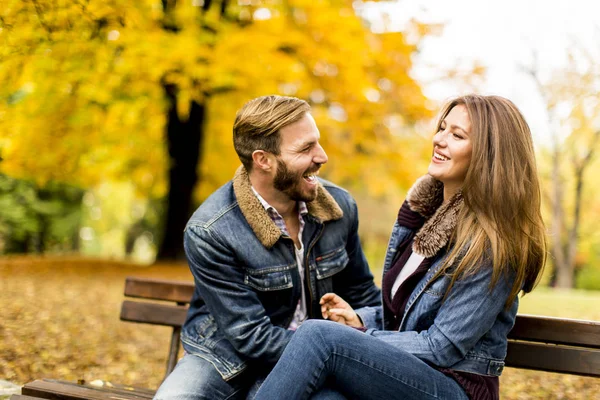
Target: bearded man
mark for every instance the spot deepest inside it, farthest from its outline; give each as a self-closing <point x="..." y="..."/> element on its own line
<point x="263" y="249"/>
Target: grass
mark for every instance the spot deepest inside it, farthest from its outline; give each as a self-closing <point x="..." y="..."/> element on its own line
<point x="60" y="319"/>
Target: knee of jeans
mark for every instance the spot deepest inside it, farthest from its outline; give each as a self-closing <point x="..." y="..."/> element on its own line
<point x="194" y="379"/>
<point x="314" y="327"/>
<point x="310" y="325"/>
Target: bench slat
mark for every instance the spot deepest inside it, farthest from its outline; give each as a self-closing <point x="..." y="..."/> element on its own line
<point x="51" y="389"/>
<point x="556" y="330"/>
<point x="152" y="313"/>
<point x="23" y="397"/>
<point x="155" y="289"/>
<point x="553" y="358"/>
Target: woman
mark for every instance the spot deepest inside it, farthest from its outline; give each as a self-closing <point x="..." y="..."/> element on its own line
<point x="468" y="239"/>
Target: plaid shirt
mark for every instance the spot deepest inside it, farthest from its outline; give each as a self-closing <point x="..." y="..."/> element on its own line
<point x="301" y="310"/>
<point x="278" y="219"/>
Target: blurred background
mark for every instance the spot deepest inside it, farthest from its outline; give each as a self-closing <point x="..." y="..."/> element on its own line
<point x="115" y="124"/>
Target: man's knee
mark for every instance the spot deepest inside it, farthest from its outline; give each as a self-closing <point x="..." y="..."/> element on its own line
<point x="196" y="379"/>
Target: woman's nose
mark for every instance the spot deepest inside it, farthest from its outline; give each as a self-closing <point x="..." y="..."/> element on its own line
<point x="439" y="138"/>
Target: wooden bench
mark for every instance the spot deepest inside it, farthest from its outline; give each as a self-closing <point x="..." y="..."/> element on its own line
<point x="549" y="344"/>
<point x="178" y="292"/>
<point x="539" y="343"/>
<point x="162" y="303"/>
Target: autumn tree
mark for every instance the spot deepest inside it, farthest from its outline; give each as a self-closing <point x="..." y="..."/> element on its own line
<point x="573" y="108"/>
<point x="146" y="92"/>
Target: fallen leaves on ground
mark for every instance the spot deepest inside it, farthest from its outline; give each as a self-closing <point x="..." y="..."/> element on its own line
<point x="60" y="319"/>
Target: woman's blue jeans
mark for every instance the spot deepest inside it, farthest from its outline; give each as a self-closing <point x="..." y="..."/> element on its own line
<point x="360" y="366"/>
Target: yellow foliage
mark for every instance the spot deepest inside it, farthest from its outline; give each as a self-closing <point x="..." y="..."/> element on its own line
<point x="83" y="88"/>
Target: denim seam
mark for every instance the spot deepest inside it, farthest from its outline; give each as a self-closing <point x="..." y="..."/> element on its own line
<point x="319" y="375"/>
<point x="331" y="253"/>
<point x="217" y="216"/>
<point x="233" y="394"/>
<point x="231" y="371"/>
<point x="324" y="361"/>
<point x="264" y="271"/>
<point x="287" y="285"/>
<point x="332" y="271"/>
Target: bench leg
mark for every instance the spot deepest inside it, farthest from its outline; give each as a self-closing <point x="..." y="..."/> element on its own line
<point x="173" y="350"/>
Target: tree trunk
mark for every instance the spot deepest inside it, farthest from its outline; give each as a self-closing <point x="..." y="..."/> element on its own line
<point x="564" y="276"/>
<point x="561" y="266"/>
<point x="184" y="140"/>
<point x="16" y="246"/>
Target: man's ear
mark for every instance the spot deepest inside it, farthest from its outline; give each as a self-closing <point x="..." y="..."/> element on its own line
<point x="262" y="160"/>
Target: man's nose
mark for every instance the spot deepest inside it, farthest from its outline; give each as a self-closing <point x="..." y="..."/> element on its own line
<point x="320" y="156"/>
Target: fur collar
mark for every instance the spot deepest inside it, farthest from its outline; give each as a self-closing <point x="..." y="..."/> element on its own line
<point x="425" y="197"/>
<point x="324" y="208"/>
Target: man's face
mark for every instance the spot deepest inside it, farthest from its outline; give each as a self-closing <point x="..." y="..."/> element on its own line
<point x="300" y="159"/>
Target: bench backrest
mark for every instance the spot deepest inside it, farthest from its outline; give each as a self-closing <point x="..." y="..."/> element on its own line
<point x="540" y="343"/>
<point x="170" y="309"/>
<point x="555" y="345"/>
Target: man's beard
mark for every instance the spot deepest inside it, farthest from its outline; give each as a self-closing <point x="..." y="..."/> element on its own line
<point x="290" y="183"/>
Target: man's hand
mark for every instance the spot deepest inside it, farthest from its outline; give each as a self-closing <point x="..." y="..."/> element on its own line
<point x="334" y="308"/>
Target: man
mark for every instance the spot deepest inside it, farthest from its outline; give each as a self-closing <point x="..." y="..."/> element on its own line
<point x="263" y="249"/>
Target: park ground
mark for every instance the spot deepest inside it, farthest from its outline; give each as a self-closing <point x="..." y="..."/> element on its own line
<point x="60" y="319"/>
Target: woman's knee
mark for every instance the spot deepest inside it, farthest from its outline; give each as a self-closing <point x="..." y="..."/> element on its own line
<point x="314" y="327"/>
<point x="322" y="334"/>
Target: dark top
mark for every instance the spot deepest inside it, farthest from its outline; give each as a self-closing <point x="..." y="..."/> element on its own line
<point x="477" y="387"/>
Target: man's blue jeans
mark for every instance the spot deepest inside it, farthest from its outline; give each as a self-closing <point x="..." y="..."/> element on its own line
<point x="361" y="366"/>
<point x="196" y="379"/>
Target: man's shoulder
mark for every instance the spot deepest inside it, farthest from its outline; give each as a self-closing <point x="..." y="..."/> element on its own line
<point x="333" y="188"/>
<point x="215" y="207"/>
<point x="341" y="195"/>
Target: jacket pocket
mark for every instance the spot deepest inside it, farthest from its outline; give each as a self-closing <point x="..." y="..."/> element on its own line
<point x="269" y="279"/>
<point x="331" y="263"/>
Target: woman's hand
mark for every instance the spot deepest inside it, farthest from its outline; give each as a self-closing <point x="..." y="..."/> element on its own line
<point x="334" y="308"/>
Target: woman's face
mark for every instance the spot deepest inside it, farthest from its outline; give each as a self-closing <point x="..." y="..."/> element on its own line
<point x="452" y="148"/>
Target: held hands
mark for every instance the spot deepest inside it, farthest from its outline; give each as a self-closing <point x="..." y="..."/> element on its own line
<point x="334" y="308"/>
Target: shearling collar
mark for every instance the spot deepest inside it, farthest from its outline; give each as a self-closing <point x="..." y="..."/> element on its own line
<point x="425" y="197"/>
<point x="324" y="208"/>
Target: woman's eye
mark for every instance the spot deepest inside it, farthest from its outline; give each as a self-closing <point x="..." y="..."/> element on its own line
<point x="456" y="135"/>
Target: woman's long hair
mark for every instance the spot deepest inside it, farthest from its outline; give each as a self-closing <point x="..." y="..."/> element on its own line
<point x="501" y="218"/>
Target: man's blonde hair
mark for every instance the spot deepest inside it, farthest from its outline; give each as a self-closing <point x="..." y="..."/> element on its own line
<point x="258" y="122"/>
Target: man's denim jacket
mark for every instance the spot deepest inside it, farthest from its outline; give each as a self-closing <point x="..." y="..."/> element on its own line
<point x="467" y="331"/>
<point x="246" y="276"/>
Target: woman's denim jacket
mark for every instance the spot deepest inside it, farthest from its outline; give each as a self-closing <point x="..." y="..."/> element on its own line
<point x="467" y="331"/>
<point x="246" y="276"/>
